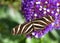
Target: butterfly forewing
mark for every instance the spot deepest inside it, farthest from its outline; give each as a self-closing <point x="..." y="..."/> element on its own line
<point x="41" y="23"/>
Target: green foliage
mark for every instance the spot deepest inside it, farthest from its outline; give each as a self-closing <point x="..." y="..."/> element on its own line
<point x="10" y="17"/>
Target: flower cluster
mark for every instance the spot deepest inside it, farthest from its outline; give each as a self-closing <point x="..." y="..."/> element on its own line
<point x="38" y="8"/>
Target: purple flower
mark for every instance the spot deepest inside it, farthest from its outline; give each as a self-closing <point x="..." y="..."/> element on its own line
<point x="38" y="8"/>
<point x="57" y="22"/>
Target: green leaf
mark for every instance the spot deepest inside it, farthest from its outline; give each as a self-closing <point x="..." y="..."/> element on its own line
<point x="15" y="16"/>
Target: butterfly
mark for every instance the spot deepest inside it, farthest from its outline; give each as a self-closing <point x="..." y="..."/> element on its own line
<point x="36" y="24"/>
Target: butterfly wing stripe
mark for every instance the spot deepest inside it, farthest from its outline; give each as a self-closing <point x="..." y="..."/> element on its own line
<point x="38" y="28"/>
<point x="40" y="21"/>
<point x="18" y="29"/>
<point x="13" y="31"/>
<point x="46" y="19"/>
<point x="28" y="28"/>
<point x="30" y="31"/>
<point x="38" y="25"/>
<point x="51" y="18"/>
<point x="24" y="27"/>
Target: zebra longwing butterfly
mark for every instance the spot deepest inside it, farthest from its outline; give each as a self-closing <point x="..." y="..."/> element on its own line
<point x="36" y="24"/>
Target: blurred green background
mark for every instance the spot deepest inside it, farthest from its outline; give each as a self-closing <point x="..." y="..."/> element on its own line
<point x="10" y="16"/>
